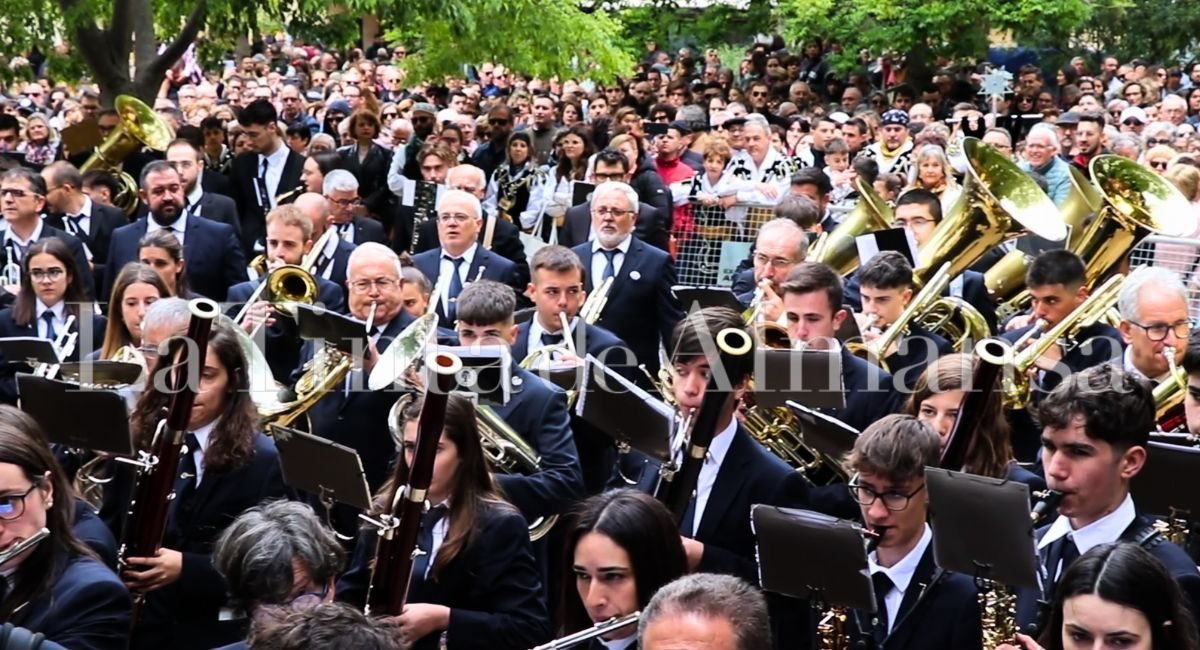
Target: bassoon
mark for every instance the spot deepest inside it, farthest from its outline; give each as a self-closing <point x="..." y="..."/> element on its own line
<point x="993" y="355"/>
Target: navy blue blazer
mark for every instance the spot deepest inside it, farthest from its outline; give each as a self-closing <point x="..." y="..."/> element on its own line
<point x="104" y="220"/>
<point x="506" y="242"/>
<point x="367" y="229"/>
<point x="218" y="207"/>
<point x="915" y="350"/>
<point x="90" y="529"/>
<point x="492" y="587"/>
<point x="577" y="226"/>
<point x="82" y="269"/>
<point x="870" y="393"/>
<point x="213" y="259"/>
<point x="88" y="608"/>
<point x="283" y="340"/>
<point x="1177" y="562"/>
<point x="339" y="262"/>
<point x="974" y="291"/>
<point x="939" y="611"/>
<point x="493" y="266"/>
<point x="9" y="370"/>
<point x="642" y="308"/>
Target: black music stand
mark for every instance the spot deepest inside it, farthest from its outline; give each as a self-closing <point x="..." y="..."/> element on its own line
<point x="625" y="411"/>
<point x="29" y="349"/>
<point x="486" y="372"/>
<point x="82" y="418"/>
<point x="889" y="239"/>
<point x="827" y="434"/>
<point x="104" y="373"/>
<point x="581" y="192"/>
<point x="322" y="467"/>
<point x="1157" y="486"/>
<point x="810" y="377"/>
<point x="704" y="297"/>
<point x="346" y="334"/>
<point x="833" y="569"/>
<point x="993" y="542"/>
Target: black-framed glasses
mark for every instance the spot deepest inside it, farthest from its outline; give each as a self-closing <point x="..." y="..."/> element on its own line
<point x="894" y="501"/>
<point x="1158" y="332"/>
<point x="1154" y="142"/>
<point x="17" y="193"/>
<point x="39" y="275"/>
<point x="1159" y="164"/>
<point x="345" y="203"/>
<point x="12" y="506"/>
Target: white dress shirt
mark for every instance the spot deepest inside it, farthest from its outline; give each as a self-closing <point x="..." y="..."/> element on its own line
<point x="447" y="267"/>
<point x="536" y="329"/>
<point x="202" y="434"/>
<point x="60" y="317"/>
<point x="717" y="450"/>
<point x="901" y="575"/>
<point x="620" y="644"/>
<point x="179" y="228"/>
<point x="600" y="260"/>
<point x="193" y="197"/>
<point x="84" y="224"/>
<point x="439" y="535"/>
<point x="328" y="253"/>
<point x="22" y="245"/>
<point x="1102" y="531"/>
<point x="274" y="176"/>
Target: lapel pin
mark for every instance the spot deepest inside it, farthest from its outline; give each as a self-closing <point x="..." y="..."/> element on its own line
<point x="634" y="275"/>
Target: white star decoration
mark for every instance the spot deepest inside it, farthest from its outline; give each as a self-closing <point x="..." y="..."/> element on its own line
<point x="995" y="83"/>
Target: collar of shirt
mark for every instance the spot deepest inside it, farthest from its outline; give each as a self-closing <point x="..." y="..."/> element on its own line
<point x="86" y="209"/>
<point x="468" y="255"/>
<point x="179" y="226"/>
<point x="9" y="235"/>
<point x="1105" y="529"/>
<point x="275" y="159"/>
<point x="1129" y="367"/>
<point x="620" y="644"/>
<point x="623" y="246"/>
<point x="202" y="435"/>
<point x="438" y="535"/>
<point x="901" y="573"/>
<point x="59" y="310"/>
<point x="536" y="329"/>
<point x="193" y="197"/>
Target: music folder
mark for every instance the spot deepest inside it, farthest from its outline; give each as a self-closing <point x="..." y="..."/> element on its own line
<point x="810" y="377"/>
<point x="28" y="349"/>
<point x="891" y="239"/>
<point x="624" y="411"/>
<point x="832" y="570"/>
<point x="82" y="418"/>
<point x="828" y="435"/>
<point x="704" y="297"/>
<point x="1157" y="487"/>
<point x="486" y="372"/>
<point x="993" y="541"/>
<point x="343" y="332"/>
<point x="581" y="192"/>
<point x="321" y="467"/>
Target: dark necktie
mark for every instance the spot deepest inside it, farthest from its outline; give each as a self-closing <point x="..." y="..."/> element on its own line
<point x="551" y="339"/>
<point x="883" y="584"/>
<point x="1062" y="557"/>
<point x="48" y="316"/>
<point x="688" y="525"/>
<point x="75" y="224"/>
<point x="610" y="265"/>
<point x="344" y="228"/>
<point x="429" y="520"/>
<point x="456" y="287"/>
<point x="264" y="201"/>
<point x="187" y="467"/>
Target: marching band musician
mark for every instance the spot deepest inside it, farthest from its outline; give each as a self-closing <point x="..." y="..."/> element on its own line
<point x="1154" y="314"/>
<point x="919" y="605"/>
<point x="58" y="588"/>
<point x="475" y="585"/>
<point x="288" y="240"/>
<point x="536" y="409"/>
<point x="331" y="262"/>
<point x="557" y="288"/>
<point x="227" y="467"/>
<point x="51" y="294"/>
<point x="1057" y="282"/>
<point x="460" y="259"/>
<point x="935" y="401"/>
<point x="812" y="299"/>
<point x="136" y="288"/>
<point x="779" y="247"/>
<point x="1096" y="425"/>
<point x="623" y="546"/>
<point x="887" y="288"/>
<point x="22" y="199"/>
<point x="641" y="309"/>
<point x="1191" y="401"/>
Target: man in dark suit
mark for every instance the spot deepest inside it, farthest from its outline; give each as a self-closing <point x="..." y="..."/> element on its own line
<point x="918" y="605"/>
<point x="214" y="260"/>
<point x="1096" y="426"/>
<point x="22" y="202"/>
<point x="332" y="261"/>
<point x="72" y="210"/>
<point x="289" y="240"/>
<point x="505" y="236"/>
<point x="269" y="169"/>
<point x="887" y="290"/>
<point x="812" y="295"/>
<point x="1057" y="282"/>
<point x="460" y="260"/>
<point x="643" y="276"/>
<point x="341" y="191"/>
<point x="199" y="201"/>
<point x="557" y="288"/>
<point x="613" y="166"/>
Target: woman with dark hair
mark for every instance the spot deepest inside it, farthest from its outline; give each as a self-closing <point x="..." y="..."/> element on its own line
<point x="570" y="113"/>
<point x="136" y="288"/>
<point x="227" y="466"/>
<point x="936" y="399"/>
<point x="49" y="304"/>
<point x="1116" y="596"/>
<point x="622" y="546"/>
<point x="57" y="588"/>
<point x="317" y="166"/>
<point x="476" y="582"/>
<point x="512" y="186"/>
<point x="368" y="162"/>
<point x="160" y="250"/>
<point x="575" y="149"/>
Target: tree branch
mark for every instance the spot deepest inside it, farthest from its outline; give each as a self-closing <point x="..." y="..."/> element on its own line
<point x="180" y="44"/>
<point x="144" y="41"/>
<point x="120" y="29"/>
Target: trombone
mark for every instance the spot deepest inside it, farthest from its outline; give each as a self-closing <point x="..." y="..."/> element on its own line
<point x="287" y="284"/>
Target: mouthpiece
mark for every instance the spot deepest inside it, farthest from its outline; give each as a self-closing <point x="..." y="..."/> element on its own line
<point x="1049" y="503"/>
<point x="874" y="537"/>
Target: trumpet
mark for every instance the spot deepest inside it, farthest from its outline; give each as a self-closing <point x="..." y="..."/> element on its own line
<point x="875" y="351"/>
<point x="596" y="631"/>
<point x="772" y="335"/>
<point x="1169" y="394"/>
<point x="11" y="275"/>
<point x="64" y="345"/>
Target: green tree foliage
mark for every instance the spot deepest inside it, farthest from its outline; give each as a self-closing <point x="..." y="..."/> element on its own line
<point x="671" y="26"/>
<point x="1155" y="30"/>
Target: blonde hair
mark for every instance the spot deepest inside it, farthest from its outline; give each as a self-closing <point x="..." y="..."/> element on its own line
<point x="1186" y="178"/>
<point x="926" y="152"/>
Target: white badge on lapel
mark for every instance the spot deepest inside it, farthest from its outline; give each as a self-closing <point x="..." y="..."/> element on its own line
<point x="634" y="275"/>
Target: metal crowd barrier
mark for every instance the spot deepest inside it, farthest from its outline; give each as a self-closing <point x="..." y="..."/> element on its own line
<point x="1178" y="254"/>
<point x="708" y="254"/>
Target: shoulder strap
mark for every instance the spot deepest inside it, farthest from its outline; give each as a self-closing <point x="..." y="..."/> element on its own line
<point x="1148" y="537"/>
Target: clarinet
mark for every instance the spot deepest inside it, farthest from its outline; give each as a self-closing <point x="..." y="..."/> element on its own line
<point x="992" y="354"/>
<point x="146" y="519"/>
<point x="676" y="493"/>
<point x="392" y="569"/>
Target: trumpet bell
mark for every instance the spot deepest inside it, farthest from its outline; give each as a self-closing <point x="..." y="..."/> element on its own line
<point x="291" y="284"/>
<point x="998" y="202"/>
<point x="406" y="351"/>
<point x="838" y="249"/>
<point x="1082" y="203"/>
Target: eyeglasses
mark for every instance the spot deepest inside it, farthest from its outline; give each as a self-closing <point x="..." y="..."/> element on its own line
<point x="1159" y="164"/>
<point x="345" y="203"/>
<point x="610" y="212"/>
<point x="46" y="274"/>
<point x="453" y="217"/>
<point x="1152" y="142"/>
<point x="390" y="116"/>
<point x="382" y="284"/>
<point x="894" y="501"/>
<point x="778" y="263"/>
<point x="17" y="193"/>
<point x="604" y="178"/>
<point x="12" y="506"/>
<point x="1158" y="332"/>
<point x="1131" y="121"/>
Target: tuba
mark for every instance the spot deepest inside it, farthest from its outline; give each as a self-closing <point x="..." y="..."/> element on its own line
<point x="139" y="127"/>
<point x="508" y="453"/>
<point x="838" y="249"/>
